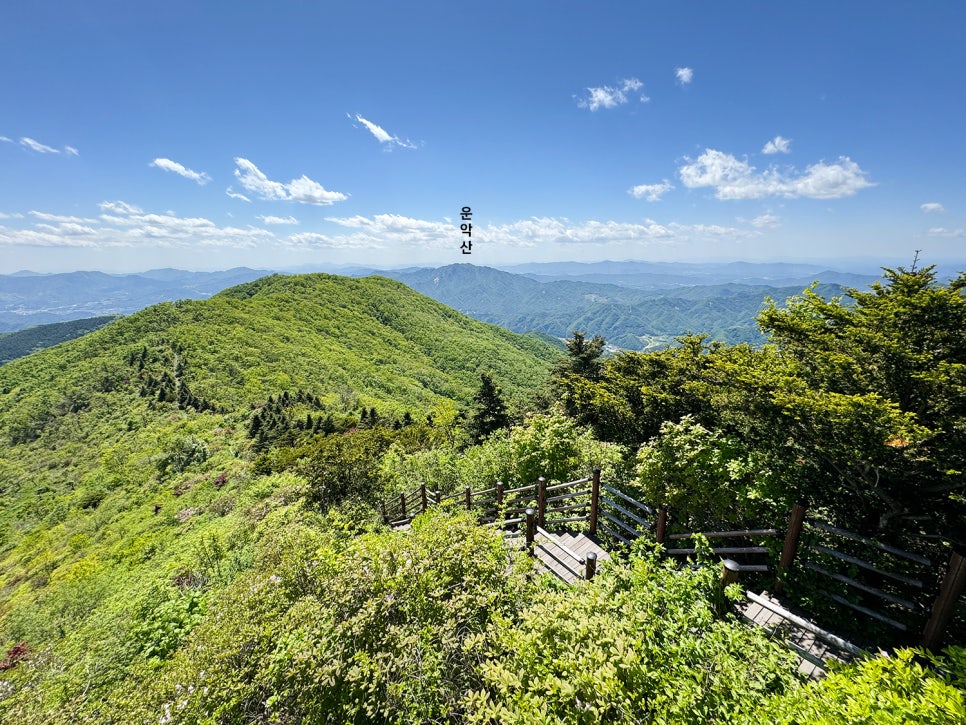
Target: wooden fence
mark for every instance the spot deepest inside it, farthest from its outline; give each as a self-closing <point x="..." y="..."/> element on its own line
<point x="817" y="563"/>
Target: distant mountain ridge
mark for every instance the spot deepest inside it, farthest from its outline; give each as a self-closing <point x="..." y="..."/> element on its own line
<point x="28" y="299"/>
<point x="635" y="305"/>
<point x="627" y="316"/>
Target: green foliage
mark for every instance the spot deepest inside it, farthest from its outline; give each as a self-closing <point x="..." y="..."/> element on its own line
<point x="380" y="628"/>
<point x="891" y="365"/>
<point x="548" y="445"/>
<point x="705" y="477"/>
<point x="164" y="620"/>
<point x="893" y="689"/>
<point x="640" y="644"/>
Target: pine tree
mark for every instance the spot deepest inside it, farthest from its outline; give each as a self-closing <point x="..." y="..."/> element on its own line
<point x="489" y="413"/>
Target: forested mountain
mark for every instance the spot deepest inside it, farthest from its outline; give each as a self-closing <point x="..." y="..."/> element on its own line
<point x="626" y="316"/>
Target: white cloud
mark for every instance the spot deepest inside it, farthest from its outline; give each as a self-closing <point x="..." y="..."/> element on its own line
<point x="37" y="146"/>
<point x="303" y="190"/>
<point x="650" y="192"/>
<point x="279" y="219"/>
<point x="119" y="207"/>
<point x="71" y="151"/>
<point x="125" y="225"/>
<point x="943" y="232"/>
<point x="611" y="97"/>
<point x="60" y="219"/>
<point x="735" y="179"/>
<point x="383" y="136"/>
<point x="778" y="145"/>
<point x="10" y="216"/>
<point x="235" y="195"/>
<point x="684" y="75"/>
<point x="541" y="231"/>
<point x="400" y="230"/>
<point x="766" y="221"/>
<point x="932" y="208"/>
<point x="201" y="178"/>
<point x="4" y="138"/>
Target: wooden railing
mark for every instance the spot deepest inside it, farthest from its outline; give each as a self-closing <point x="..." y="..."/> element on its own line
<point x="883" y="582"/>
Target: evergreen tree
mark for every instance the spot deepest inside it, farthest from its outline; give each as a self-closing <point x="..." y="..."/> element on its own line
<point x="489" y="413"/>
<point x="583" y="357"/>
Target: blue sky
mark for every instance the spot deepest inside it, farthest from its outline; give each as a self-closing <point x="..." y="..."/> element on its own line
<point x="207" y="135"/>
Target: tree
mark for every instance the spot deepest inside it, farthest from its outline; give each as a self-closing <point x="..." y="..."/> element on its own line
<point x="489" y="413"/>
<point x="899" y="349"/>
<point x="583" y="357"/>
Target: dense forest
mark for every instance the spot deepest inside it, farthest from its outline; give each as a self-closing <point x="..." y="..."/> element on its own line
<point x="189" y="527"/>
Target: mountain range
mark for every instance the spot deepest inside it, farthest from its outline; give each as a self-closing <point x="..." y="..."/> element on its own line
<point x="634" y="305"/>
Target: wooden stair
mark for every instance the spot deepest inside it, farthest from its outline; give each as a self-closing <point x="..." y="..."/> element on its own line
<point x="814" y="646"/>
<point x="564" y="555"/>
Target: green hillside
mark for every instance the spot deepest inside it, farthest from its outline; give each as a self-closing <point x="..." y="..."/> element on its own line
<point x="188" y="531"/>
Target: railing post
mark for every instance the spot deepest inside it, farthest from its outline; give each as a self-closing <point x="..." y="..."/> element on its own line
<point x="385" y="515"/>
<point x="729" y="575"/>
<point x="660" y="530"/>
<point x="469" y="498"/>
<point x="946" y="602"/>
<point x="594" y="503"/>
<point x="438" y="497"/>
<point x="790" y="547"/>
<point x="531" y="529"/>
<point x="402" y="504"/>
<point x="422" y="494"/>
<point x="541" y="501"/>
<point x="590" y="565"/>
<point x="499" y="493"/>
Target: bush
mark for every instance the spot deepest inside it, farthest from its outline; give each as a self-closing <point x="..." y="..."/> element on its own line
<point x="893" y="689"/>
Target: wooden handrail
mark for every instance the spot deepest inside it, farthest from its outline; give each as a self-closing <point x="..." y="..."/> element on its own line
<point x="725" y="534"/>
<point x="872" y="542"/>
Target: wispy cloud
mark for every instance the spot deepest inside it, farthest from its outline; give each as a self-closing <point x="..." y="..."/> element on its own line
<point x="71" y="151"/>
<point x="4" y="215"/>
<point x="383" y="136"/>
<point x="303" y="189"/>
<point x="37" y="146"/>
<point x="279" y="219"/>
<point x="650" y="192"/>
<point x="316" y="240"/>
<point x="684" y="75"/>
<point x="778" y="145"/>
<point x="611" y="96"/>
<point x="732" y="178"/>
<point x="201" y="178"/>
<point x="932" y="207"/>
<point x="5" y="138"/>
<point x="231" y="193"/>
<point x="943" y="232"/>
